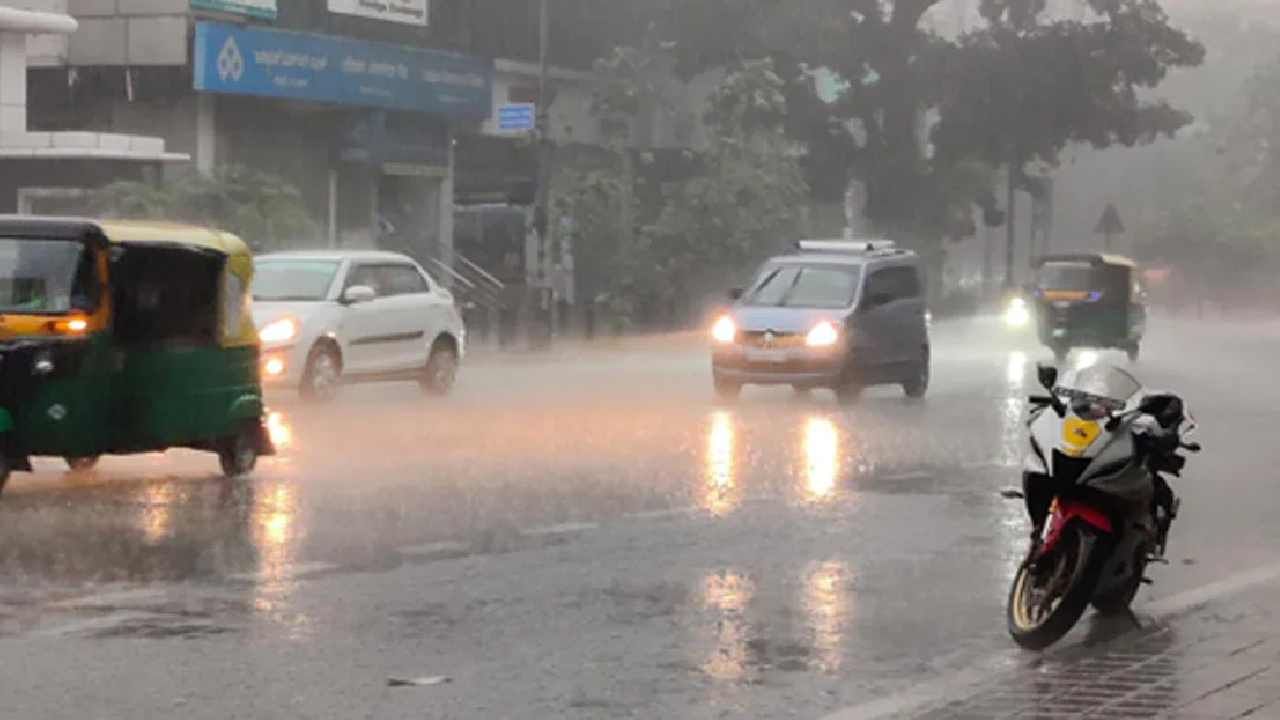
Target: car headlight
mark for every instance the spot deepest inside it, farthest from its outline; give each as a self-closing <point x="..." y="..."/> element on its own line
<point x="282" y="330"/>
<point x="824" y="334"/>
<point x="724" y="330"/>
<point x="1017" y="314"/>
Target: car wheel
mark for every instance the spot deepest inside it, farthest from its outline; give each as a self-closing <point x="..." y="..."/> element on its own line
<point x="918" y="384"/>
<point x="727" y="390"/>
<point x="238" y="454"/>
<point x="441" y="371"/>
<point x="322" y="376"/>
<point x="82" y="464"/>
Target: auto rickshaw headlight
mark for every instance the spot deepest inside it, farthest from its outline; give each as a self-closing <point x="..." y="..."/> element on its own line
<point x="1017" y="314"/>
<point x="43" y="364"/>
<point x="282" y="330"/>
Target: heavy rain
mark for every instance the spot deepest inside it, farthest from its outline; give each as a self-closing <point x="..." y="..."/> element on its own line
<point x="828" y="359"/>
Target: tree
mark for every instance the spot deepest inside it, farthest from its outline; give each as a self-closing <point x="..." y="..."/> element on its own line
<point x="747" y="197"/>
<point x="1026" y="85"/>
<point x="264" y="210"/>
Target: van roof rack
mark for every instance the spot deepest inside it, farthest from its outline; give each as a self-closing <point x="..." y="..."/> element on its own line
<point x="849" y="247"/>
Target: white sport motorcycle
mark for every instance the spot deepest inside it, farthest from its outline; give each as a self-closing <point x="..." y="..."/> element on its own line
<point x="1094" y="488"/>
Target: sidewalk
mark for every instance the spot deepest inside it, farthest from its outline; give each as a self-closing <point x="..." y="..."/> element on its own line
<point x="1219" y="661"/>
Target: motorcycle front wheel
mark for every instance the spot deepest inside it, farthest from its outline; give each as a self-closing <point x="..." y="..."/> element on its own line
<point x="1049" y="595"/>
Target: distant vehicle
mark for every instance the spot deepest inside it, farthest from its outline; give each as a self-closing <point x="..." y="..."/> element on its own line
<point x="1093" y="301"/>
<point x="835" y="314"/>
<point x="330" y="317"/>
<point x="124" y="337"/>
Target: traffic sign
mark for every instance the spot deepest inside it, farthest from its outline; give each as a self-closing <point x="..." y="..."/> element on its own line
<point x="516" y="117"/>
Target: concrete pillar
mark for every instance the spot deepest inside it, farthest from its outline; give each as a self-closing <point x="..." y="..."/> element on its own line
<point x="206" y="133"/>
<point x="13" y="82"/>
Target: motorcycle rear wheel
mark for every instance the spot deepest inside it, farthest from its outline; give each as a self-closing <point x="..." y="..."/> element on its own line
<point x="1048" y="597"/>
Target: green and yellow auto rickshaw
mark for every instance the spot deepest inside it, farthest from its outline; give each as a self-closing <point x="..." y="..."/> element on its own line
<point x="1092" y="301"/>
<point x="126" y="337"/>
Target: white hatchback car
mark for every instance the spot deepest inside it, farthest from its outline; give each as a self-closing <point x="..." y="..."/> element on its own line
<point x="330" y="317"/>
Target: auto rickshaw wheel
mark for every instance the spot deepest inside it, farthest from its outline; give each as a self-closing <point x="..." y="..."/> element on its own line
<point x="1060" y="353"/>
<point x="83" y="463"/>
<point x="4" y="472"/>
<point x="239" y="453"/>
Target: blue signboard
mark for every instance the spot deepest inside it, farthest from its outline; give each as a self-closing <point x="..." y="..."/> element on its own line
<point x="515" y="117"/>
<point x="320" y="68"/>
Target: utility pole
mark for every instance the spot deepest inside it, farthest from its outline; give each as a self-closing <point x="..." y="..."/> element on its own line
<point x="542" y="196"/>
<point x="1010" y="227"/>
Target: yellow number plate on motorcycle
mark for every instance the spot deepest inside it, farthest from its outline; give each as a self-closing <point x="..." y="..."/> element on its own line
<point x="1078" y="434"/>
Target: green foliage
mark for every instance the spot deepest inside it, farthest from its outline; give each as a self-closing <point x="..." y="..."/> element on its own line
<point x="261" y="208"/>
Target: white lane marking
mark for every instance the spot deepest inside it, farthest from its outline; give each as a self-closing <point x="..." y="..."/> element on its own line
<point x="97" y="623"/>
<point x="288" y="572"/>
<point x="561" y="528"/>
<point x="116" y="597"/>
<point x="959" y="685"/>
<point x="435" y="548"/>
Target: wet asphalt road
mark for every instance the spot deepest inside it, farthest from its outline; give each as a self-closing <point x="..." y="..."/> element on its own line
<point x="589" y="535"/>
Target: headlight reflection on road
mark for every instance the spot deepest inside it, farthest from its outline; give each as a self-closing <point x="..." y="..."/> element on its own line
<point x="1016" y="370"/>
<point x="826" y="600"/>
<point x="157" y="512"/>
<point x="274" y="534"/>
<point x="822" y="457"/>
<point x="728" y="594"/>
<point x="278" y="428"/>
<point x="720" y="495"/>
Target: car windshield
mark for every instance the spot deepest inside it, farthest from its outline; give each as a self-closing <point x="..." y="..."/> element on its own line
<point x="44" y="276"/>
<point x="293" y="280"/>
<point x="1103" y="382"/>
<point x="804" y="286"/>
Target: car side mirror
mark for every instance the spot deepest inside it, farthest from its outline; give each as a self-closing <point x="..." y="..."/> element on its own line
<point x="358" y="294"/>
<point x="1047" y="375"/>
<point x="735" y="294"/>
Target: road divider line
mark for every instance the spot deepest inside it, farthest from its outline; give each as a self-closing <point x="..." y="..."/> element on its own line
<point x="964" y="683"/>
<point x="446" y="547"/>
<point x="115" y="597"/>
<point x="561" y="529"/>
<point x="288" y="572"/>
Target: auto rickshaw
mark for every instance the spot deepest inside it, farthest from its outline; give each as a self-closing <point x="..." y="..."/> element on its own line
<point x="1091" y="301"/>
<point x="125" y="337"/>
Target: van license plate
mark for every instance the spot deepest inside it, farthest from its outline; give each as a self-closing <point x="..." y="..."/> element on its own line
<point x="767" y="356"/>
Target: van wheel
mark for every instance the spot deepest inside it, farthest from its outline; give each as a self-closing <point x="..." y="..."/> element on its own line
<point x="322" y="376"/>
<point x="918" y="384"/>
<point x="239" y="453"/>
<point x="727" y="390"/>
<point x="849" y="393"/>
<point x="441" y="371"/>
<point x="82" y="464"/>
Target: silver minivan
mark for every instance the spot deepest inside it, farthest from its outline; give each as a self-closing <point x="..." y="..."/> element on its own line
<point x="834" y="314"/>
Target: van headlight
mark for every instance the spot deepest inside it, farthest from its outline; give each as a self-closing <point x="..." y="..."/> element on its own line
<point x="824" y="334"/>
<point x="724" y="330"/>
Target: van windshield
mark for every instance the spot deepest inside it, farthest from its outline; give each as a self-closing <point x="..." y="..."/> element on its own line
<point x="45" y="276"/>
<point x="807" y="286"/>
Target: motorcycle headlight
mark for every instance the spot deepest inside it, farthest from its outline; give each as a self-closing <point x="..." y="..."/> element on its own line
<point x="824" y="334"/>
<point x="282" y="330"/>
<point x="1017" y="314"/>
